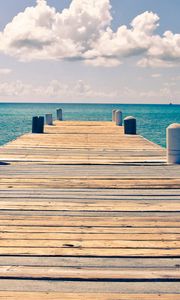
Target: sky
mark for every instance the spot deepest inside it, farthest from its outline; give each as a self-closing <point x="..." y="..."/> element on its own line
<point x="90" y="51"/>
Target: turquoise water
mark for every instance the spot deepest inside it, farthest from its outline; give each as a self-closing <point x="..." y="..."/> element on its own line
<point x="152" y="120"/>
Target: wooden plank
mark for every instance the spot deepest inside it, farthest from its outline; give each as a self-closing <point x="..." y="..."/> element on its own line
<point x="86" y="244"/>
<point x="125" y="171"/>
<point x="93" y="192"/>
<point x="94" y="252"/>
<point x="35" y="272"/>
<point x="90" y="287"/>
<point x="113" y="183"/>
<point x="89" y="237"/>
<point x="90" y="214"/>
<point x="109" y="206"/>
<point x="90" y="230"/>
<point x="97" y="262"/>
<point x="69" y="221"/>
<point x="83" y="296"/>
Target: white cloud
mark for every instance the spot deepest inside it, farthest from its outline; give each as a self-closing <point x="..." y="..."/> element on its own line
<point x="103" y="61"/>
<point x="83" y="32"/>
<point x="53" y="90"/>
<point x="5" y="71"/>
<point x="175" y="79"/>
<point x="156" y="75"/>
<point x="83" y="92"/>
<point x="146" y="23"/>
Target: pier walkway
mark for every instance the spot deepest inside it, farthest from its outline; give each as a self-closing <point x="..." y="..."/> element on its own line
<point x="88" y="213"/>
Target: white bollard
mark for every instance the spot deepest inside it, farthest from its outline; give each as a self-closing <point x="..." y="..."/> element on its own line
<point x="59" y="114"/>
<point x="118" y="118"/>
<point x="113" y="115"/>
<point x="173" y="144"/>
<point x="49" y="119"/>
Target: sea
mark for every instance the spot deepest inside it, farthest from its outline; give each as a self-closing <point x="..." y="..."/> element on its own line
<point x="152" y="120"/>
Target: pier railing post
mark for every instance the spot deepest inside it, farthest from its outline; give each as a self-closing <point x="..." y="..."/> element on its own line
<point x="173" y="144"/>
<point x="113" y="115"/>
<point x="118" y="118"/>
<point x="59" y="114"/>
<point x="130" y="125"/>
<point x="49" y="119"/>
<point x="38" y="124"/>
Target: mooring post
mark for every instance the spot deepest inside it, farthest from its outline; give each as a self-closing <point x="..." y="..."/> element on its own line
<point x="113" y="115"/>
<point x="49" y="119"/>
<point x="173" y="144"/>
<point x="59" y="114"/>
<point x="38" y="124"/>
<point x="118" y="118"/>
<point x="130" y="125"/>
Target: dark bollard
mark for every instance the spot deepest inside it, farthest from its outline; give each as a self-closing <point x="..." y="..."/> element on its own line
<point x="130" y="125"/>
<point x="59" y="114"/>
<point x="41" y="125"/>
<point x="38" y="125"/>
<point x="34" y="124"/>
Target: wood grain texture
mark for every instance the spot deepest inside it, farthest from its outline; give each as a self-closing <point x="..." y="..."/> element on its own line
<point x="83" y="296"/>
<point x="85" y="273"/>
<point x="87" y="212"/>
<point x="82" y="143"/>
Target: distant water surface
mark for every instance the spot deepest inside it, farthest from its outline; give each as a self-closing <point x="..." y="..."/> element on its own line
<point x="152" y="120"/>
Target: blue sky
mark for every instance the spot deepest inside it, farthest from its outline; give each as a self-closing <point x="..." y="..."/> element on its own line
<point x="90" y="53"/>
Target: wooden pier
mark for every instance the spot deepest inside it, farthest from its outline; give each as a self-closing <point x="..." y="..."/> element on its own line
<point x="88" y="213"/>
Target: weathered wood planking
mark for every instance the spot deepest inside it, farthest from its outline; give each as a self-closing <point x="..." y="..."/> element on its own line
<point x="88" y="213"/>
<point x="110" y="183"/>
<point x="83" y="296"/>
<point x="82" y="143"/>
<point x="84" y="206"/>
<point x="36" y="272"/>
